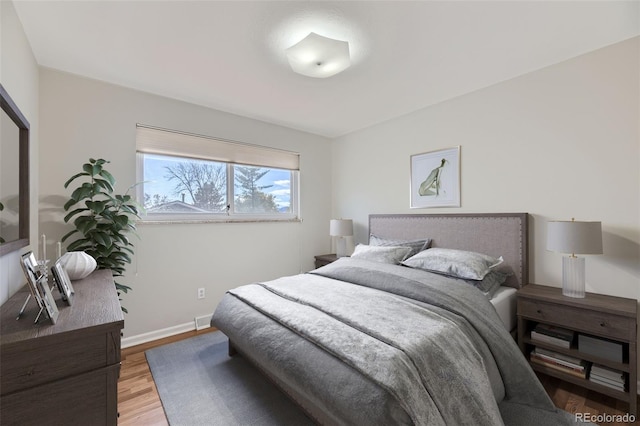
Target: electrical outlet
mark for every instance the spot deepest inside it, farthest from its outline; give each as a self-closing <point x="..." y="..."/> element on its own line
<point x="201" y="293"/>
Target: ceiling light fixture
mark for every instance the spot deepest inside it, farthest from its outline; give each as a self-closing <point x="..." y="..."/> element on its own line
<point x="318" y="56"/>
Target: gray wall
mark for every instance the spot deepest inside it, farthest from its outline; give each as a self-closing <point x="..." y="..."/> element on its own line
<point x="83" y="118"/>
<point x="557" y="143"/>
<point x="19" y="76"/>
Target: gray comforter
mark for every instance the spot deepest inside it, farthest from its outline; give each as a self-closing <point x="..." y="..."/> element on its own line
<point x="435" y="345"/>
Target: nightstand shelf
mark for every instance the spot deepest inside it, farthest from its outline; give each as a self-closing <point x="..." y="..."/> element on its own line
<point x="612" y="318"/>
<point x="623" y="396"/>
<point x="574" y="352"/>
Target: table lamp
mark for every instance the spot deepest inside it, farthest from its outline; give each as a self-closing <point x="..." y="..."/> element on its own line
<point x="573" y="237"/>
<point x="341" y="228"/>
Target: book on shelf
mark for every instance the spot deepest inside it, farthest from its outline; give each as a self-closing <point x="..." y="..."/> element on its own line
<point x="554" y="361"/>
<point x="542" y="337"/>
<point x="616" y="386"/>
<point x="561" y="359"/>
<point x="559" y="367"/>
<point x="553" y="331"/>
<point x="617" y="382"/>
<point x="606" y="376"/>
<point x="571" y="359"/>
<point x="606" y="372"/>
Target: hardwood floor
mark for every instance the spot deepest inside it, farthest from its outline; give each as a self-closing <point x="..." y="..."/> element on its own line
<point x="575" y="399"/>
<point x="138" y="400"/>
<point x="139" y="404"/>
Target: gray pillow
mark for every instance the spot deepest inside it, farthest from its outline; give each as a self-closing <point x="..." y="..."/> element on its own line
<point x="456" y="263"/>
<point x="381" y="254"/>
<point x="415" y="245"/>
<point x="490" y="283"/>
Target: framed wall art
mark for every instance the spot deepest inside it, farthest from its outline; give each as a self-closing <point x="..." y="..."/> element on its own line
<point x="435" y="178"/>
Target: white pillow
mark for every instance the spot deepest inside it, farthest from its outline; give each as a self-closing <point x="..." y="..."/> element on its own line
<point x="456" y="263"/>
<point x="383" y="254"/>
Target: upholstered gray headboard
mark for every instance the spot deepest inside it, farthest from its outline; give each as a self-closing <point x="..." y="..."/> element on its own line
<point x="495" y="234"/>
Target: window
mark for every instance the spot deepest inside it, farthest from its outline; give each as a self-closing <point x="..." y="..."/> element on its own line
<point x="195" y="178"/>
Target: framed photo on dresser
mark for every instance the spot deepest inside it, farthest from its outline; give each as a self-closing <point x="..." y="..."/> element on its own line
<point x="47" y="299"/>
<point x="30" y="267"/>
<point x="63" y="282"/>
<point x="38" y="284"/>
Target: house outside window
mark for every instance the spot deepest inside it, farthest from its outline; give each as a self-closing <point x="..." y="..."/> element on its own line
<point x="189" y="177"/>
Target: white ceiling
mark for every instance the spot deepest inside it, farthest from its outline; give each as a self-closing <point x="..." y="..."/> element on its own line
<point x="229" y="55"/>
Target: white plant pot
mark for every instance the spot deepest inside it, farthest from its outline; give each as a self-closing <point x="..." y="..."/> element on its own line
<point x="78" y="264"/>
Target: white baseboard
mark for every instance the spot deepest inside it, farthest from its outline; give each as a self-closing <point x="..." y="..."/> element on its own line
<point x="199" y="323"/>
<point x="157" y="334"/>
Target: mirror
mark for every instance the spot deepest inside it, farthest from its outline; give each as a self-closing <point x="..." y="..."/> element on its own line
<point x="14" y="176"/>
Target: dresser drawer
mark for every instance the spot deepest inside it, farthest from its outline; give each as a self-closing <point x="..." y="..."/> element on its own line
<point x="86" y="399"/>
<point x="594" y="322"/>
<point x="25" y="366"/>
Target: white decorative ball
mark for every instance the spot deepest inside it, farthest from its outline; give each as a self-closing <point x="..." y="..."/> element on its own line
<point x="78" y="264"/>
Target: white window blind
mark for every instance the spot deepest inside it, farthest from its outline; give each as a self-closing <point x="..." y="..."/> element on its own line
<point x="153" y="140"/>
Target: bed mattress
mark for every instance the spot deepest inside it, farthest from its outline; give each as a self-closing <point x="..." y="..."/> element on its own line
<point x="504" y="301"/>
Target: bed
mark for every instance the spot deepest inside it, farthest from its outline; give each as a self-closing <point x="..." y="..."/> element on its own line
<point x="475" y="232"/>
<point x="360" y="341"/>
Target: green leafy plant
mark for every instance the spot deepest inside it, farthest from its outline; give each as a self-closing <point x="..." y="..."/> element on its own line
<point x="102" y="219"/>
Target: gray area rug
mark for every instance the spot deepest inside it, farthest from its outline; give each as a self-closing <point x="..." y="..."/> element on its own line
<point x="200" y="385"/>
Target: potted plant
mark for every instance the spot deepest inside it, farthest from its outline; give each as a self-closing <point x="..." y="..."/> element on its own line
<point x="102" y="219"/>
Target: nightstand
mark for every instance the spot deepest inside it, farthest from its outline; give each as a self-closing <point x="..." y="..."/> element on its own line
<point x="596" y="315"/>
<point x="325" y="259"/>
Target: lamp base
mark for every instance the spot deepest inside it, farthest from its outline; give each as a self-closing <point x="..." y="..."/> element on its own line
<point x="341" y="247"/>
<point x="573" y="276"/>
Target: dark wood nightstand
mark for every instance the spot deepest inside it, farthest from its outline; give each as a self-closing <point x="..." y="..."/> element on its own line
<point x="325" y="259"/>
<point x="596" y="315"/>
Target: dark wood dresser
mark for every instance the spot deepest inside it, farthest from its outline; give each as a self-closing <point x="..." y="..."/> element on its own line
<point x="66" y="373"/>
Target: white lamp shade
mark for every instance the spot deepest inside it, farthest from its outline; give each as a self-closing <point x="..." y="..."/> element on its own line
<point x="78" y="264"/>
<point x="318" y="56"/>
<point x="341" y="227"/>
<point x="574" y="237"/>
